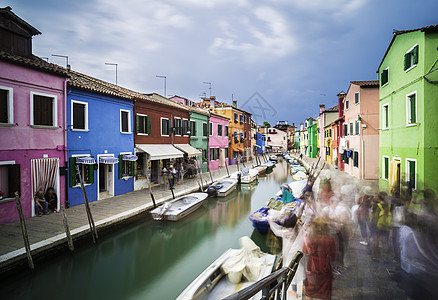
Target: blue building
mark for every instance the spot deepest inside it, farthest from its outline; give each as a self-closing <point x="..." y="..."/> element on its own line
<point x="261" y="143"/>
<point x="100" y="139"/>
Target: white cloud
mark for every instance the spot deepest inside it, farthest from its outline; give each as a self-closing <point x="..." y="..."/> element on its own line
<point x="263" y="33"/>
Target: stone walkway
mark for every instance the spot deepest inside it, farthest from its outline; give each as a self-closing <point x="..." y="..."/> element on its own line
<point x="363" y="278"/>
<point x="47" y="232"/>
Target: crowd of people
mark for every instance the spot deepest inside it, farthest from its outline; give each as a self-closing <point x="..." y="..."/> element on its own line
<point x="397" y="228"/>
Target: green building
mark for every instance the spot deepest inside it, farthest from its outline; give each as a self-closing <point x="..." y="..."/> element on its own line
<point x="408" y="101"/>
<point x="198" y="138"/>
<point x="312" y="140"/>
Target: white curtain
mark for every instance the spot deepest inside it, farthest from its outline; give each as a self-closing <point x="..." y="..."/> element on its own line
<point x="44" y="174"/>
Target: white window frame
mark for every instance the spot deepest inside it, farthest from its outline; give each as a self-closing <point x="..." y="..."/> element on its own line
<point x="129" y="121"/>
<point x="174" y="122"/>
<point x="86" y="115"/>
<point x="161" y="126"/>
<point x="408" y="109"/>
<point x="54" y="108"/>
<point x="407" y="171"/>
<point x="387" y="68"/>
<point x="413" y="66"/>
<point x="10" y="104"/>
<point x="142" y="115"/>
<point x="385" y="126"/>
<point x="383" y="167"/>
<point x="358" y="97"/>
<point x="78" y="185"/>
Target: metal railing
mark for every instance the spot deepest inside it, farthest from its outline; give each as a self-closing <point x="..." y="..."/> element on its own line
<point x="281" y="280"/>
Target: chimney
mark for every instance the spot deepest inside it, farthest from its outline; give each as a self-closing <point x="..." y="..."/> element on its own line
<point x="301" y="126"/>
<point x="235" y="103"/>
<point x="341" y="97"/>
<point x="321" y="108"/>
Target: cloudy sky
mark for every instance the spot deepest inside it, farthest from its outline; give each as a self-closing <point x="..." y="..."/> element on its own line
<point x="294" y="54"/>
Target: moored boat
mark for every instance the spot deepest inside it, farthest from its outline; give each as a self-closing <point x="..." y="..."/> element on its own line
<point x="217" y="281"/>
<point x="178" y="208"/>
<point x="261" y="169"/>
<point x="222" y="187"/>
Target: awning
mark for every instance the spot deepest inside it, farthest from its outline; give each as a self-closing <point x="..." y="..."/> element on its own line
<point x="186" y="148"/>
<point x="160" y="151"/>
<point x="108" y="160"/>
<point x="85" y="160"/>
<point x="129" y="157"/>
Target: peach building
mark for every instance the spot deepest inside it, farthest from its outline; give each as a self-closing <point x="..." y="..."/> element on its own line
<point x="360" y="145"/>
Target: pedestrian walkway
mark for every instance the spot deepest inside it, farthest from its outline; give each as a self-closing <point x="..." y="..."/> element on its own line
<point x="48" y="232"/>
<point x="361" y="277"/>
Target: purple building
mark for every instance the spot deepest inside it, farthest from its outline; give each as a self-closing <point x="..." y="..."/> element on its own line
<point x="32" y="123"/>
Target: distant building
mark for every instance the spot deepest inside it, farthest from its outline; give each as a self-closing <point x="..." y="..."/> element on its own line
<point x="290" y="131"/>
<point x="260" y="143"/>
<point x="360" y="130"/>
<point x="218" y="141"/>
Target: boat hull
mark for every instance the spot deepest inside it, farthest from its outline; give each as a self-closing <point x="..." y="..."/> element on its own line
<point x="178" y="211"/>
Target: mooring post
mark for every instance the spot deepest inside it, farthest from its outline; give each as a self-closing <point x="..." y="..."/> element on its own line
<point x="24" y="232"/>
<point x="67" y="229"/>
<point x="150" y="188"/>
<point x="87" y="208"/>
<point x="211" y="176"/>
<point x="226" y="166"/>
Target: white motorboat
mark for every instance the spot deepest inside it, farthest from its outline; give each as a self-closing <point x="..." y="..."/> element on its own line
<point x="222" y="187"/>
<point x="273" y="157"/>
<point x="178" y="208"/>
<point x="247" y="175"/>
<point x="261" y="169"/>
<point x="213" y="283"/>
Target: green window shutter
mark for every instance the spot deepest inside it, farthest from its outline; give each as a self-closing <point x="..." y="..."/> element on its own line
<point x="148" y="125"/>
<point x="137" y="123"/>
<point x="90" y="174"/>
<point x="384" y="77"/>
<point x="415" y="55"/>
<point x="407" y="61"/>
<point x="412" y="101"/>
<point x="72" y="171"/>
<point x="120" y="166"/>
<point x="412" y="173"/>
<point x="133" y="168"/>
<point x="386" y="167"/>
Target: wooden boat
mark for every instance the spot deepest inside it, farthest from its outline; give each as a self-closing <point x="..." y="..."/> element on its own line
<point x="261" y="169"/>
<point x="213" y="284"/>
<point x="178" y="208"/>
<point x="222" y="187"/>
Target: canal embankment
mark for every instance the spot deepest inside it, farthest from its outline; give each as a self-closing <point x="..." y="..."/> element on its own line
<point x="47" y="235"/>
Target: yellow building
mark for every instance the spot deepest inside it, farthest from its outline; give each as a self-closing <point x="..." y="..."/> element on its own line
<point x="328" y="143"/>
<point x="239" y="128"/>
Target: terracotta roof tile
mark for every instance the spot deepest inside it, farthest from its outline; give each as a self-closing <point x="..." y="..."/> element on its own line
<point x="366" y="83"/>
<point x="33" y="62"/>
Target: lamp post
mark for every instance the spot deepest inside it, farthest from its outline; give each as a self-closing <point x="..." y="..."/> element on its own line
<point x="165" y="82"/>
<point x="209" y="83"/>
<point x="64" y="56"/>
<point x="113" y="64"/>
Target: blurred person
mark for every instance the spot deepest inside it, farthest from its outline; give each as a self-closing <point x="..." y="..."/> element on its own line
<point x="326" y="192"/>
<point x="398" y="218"/>
<point x="384" y="224"/>
<point x="320" y="248"/>
<point x="363" y="214"/>
<point x="418" y="242"/>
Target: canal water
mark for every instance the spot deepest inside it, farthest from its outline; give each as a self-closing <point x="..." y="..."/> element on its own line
<point x="150" y="259"/>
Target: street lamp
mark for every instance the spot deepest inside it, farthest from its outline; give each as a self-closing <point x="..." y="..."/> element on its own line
<point x="165" y="80"/>
<point x="209" y="83"/>
<point x="64" y="56"/>
<point x="113" y="64"/>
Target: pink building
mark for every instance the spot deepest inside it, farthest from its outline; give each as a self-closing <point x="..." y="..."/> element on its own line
<point x="32" y="122"/>
<point x="218" y="141"/>
<point x="361" y="146"/>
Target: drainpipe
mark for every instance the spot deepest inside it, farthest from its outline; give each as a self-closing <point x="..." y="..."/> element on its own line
<point x="67" y="205"/>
